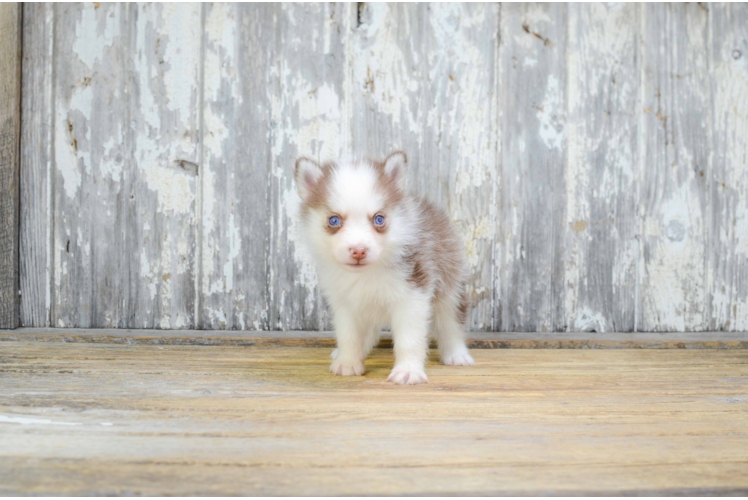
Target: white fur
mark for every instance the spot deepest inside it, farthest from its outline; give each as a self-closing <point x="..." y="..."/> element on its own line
<point x="366" y="297"/>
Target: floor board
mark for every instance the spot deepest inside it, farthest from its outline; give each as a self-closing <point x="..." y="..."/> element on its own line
<point x="80" y="419"/>
<point x="476" y="340"/>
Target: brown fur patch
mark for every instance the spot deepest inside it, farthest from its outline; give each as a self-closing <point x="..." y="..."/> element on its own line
<point x="462" y="308"/>
<point x="441" y="255"/>
<point x="393" y="195"/>
<point x="418" y="276"/>
<point x="332" y="230"/>
<point x="319" y="191"/>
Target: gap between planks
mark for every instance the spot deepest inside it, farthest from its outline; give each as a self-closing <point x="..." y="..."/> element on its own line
<point x="476" y="340"/>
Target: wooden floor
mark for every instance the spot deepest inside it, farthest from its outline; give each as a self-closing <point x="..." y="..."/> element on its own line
<point x="78" y="419"/>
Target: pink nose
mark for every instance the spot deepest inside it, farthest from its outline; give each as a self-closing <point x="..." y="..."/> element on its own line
<point x="358" y="253"/>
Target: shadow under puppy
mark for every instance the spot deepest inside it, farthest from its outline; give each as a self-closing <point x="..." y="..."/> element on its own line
<point x="384" y="257"/>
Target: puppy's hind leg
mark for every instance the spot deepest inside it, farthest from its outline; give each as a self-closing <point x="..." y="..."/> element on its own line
<point x="450" y="316"/>
<point x="372" y="339"/>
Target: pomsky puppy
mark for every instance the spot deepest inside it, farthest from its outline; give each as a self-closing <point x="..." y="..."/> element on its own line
<point x="384" y="257"/>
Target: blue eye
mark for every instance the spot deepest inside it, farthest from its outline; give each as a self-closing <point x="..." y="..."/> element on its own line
<point x="334" y="221"/>
<point x="379" y="220"/>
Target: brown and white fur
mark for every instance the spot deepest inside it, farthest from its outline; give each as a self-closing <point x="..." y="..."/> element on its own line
<point x="408" y="272"/>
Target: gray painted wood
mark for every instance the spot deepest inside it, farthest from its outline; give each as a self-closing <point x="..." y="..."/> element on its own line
<point x="10" y="130"/>
<point x="164" y="145"/>
<point x="728" y="220"/>
<point x="673" y="184"/>
<point x="90" y="165"/>
<point x="533" y="89"/>
<point x="125" y="143"/>
<point x="37" y="153"/>
<point x="236" y="161"/>
<point x="566" y="141"/>
<point x="602" y="167"/>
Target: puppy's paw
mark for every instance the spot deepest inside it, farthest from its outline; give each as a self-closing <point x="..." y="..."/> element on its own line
<point x="334" y="354"/>
<point x="458" y="357"/>
<point x="408" y="375"/>
<point x="347" y="367"/>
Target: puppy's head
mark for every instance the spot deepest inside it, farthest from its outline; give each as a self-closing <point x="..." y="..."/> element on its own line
<point x="352" y="210"/>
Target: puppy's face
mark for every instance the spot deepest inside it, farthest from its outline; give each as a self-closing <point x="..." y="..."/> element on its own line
<point x="351" y="210"/>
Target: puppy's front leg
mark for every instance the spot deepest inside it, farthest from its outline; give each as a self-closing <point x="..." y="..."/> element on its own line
<point x="348" y="358"/>
<point x="410" y="326"/>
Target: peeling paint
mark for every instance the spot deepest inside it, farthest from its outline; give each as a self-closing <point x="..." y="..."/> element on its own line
<point x="384" y="73"/>
<point x="307" y="275"/>
<point x="90" y="41"/>
<point x="588" y="321"/>
<point x="481" y="229"/>
<point x="551" y="116"/>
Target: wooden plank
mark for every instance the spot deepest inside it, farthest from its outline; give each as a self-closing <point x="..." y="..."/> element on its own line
<point x="273" y="421"/>
<point x="126" y="156"/>
<point x="674" y="191"/>
<point x="165" y="138"/>
<point x="424" y="80"/>
<point x="10" y="130"/>
<point x="728" y="222"/>
<point x="476" y="340"/>
<point x="90" y="127"/>
<point x="533" y="105"/>
<point x="601" y="230"/>
<point x="236" y="166"/>
<point x="37" y="153"/>
<point x="308" y="118"/>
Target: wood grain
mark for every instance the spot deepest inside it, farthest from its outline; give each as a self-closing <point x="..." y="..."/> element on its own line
<point x="165" y="145"/>
<point x="602" y="167"/>
<point x="126" y="147"/>
<point x="144" y="420"/>
<point x="37" y="175"/>
<point x="10" y="131"/>
<point x="91" y="166"/>
<point x="673" y="186"/>
<point x="533" y="107"/>
<point x="475" y="340"/>
<point x="728" y="222"/>
<point x="235" y="163"/>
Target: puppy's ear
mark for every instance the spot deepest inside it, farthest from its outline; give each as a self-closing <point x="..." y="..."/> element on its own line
<point x="395" y="167"/>
<point x="307" y="174"/>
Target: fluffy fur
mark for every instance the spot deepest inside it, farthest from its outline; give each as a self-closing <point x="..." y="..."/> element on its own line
<point x="408" y="272"/>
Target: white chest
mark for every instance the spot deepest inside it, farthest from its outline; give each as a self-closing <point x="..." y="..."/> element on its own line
<point x="370" y="294"/>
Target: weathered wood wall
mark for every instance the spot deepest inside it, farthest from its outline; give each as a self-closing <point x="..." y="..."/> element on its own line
<point x="594" y="157"/>
<point x="10" y="128"/>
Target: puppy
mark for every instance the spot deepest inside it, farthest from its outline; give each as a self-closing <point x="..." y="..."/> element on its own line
<point x="384" y="257"/>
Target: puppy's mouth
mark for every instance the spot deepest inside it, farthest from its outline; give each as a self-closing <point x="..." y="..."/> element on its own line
<point x="357" y="265"/>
